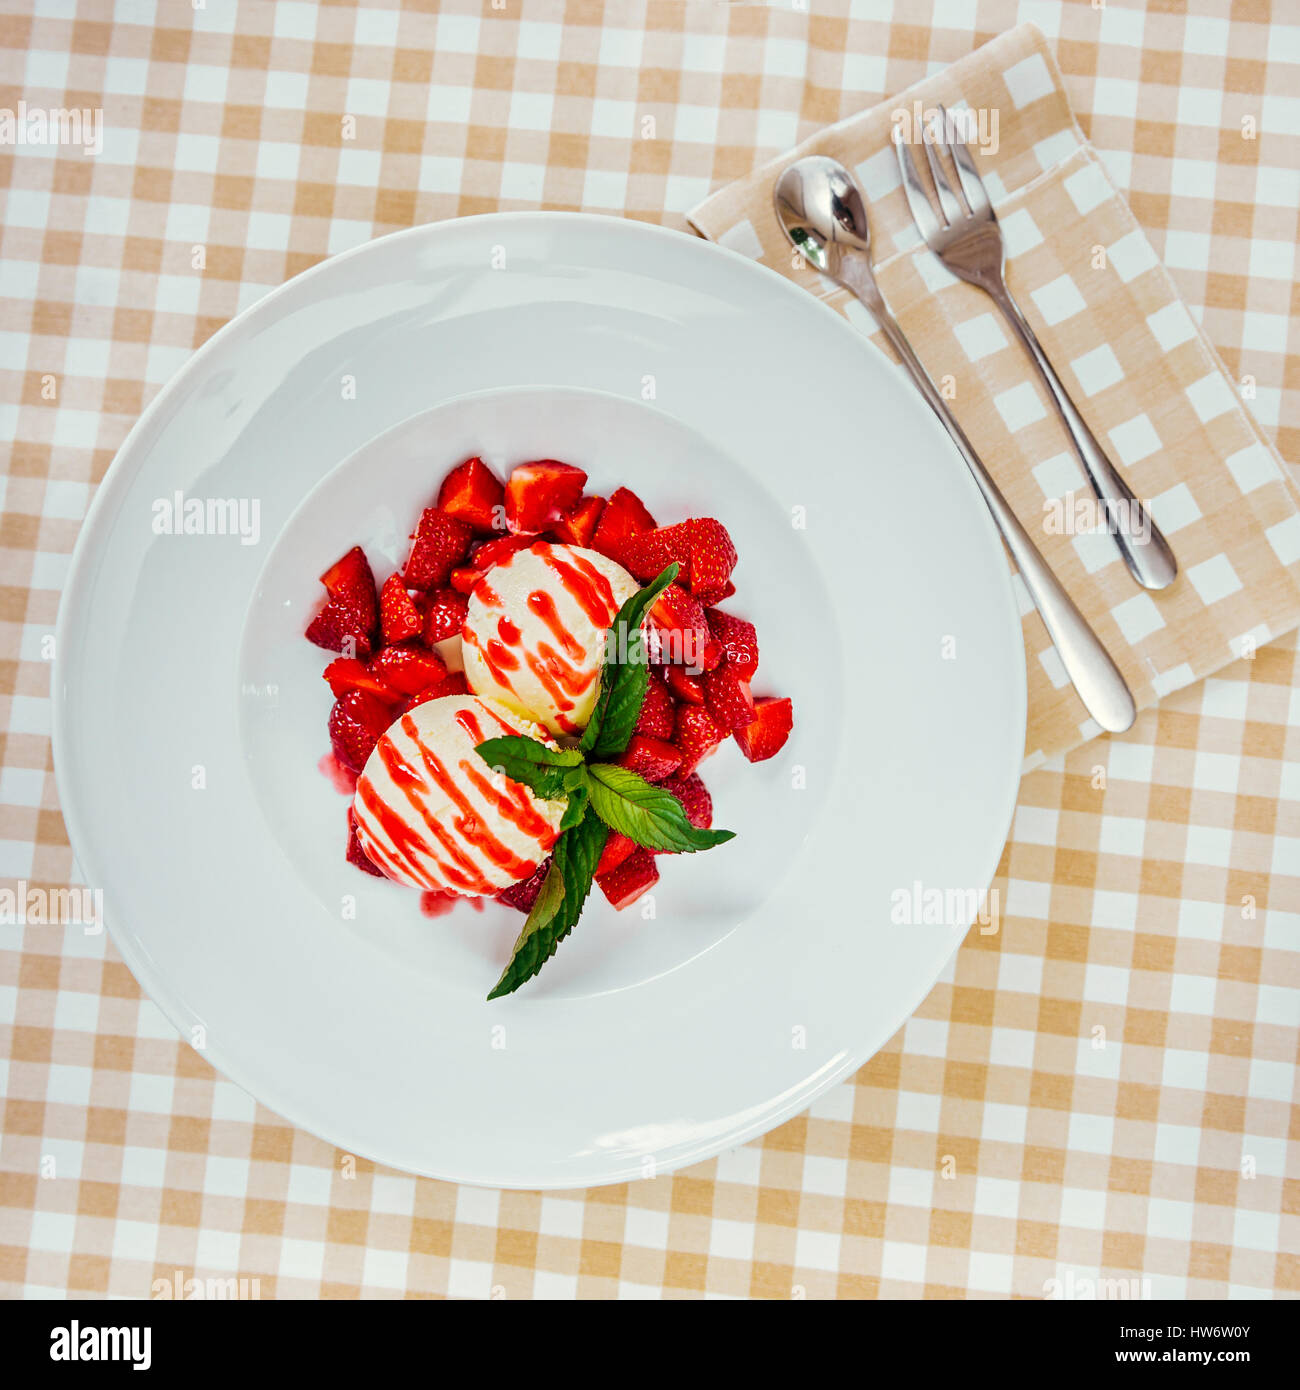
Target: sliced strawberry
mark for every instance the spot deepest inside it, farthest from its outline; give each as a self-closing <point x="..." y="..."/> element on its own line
<point x="617" y="849"/>
<point x="684" y="685"/>
<point x="713" y="557"/>
<point x="578" y="526"/>
<point x="679" y="629"/>
<point x="695" y="798"/>
<point x="408" y="670"/>
<point x="356" y="723"/>
<point x="711" y="656"/>
<point x="445" y="615"/>
<point x="727" y="697"/>
<point x="540" y="493"/>
<point x="493" y="552"/>
<point x="337" y="628"/>
<point x="766" y="735"/>
<point x="356" y="855"/>
<point x="473" y="493"/>
<point x="625" y="884"/>
<point x="648" y="553"/>
<point x="523" y="895"/>
<point x="625" y="516"/>
<point x="697" y="735"/>
<point x="739" y="642"/>
<point x="453" y="684"/>
<point x="346" y="673"/>
<point x="657" y="714"/>
<point x="347" y="621"/>
<point x="464" y="578"/>
<point x="399" y="614"/>
<point x="439" y="543"/>
<point x="651" y="757"/>
<point x="350" y="576"/>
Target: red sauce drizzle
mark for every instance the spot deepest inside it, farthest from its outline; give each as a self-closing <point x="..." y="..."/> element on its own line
<point x="406" y="841"/>
<point x="591" y="590"/>
<point x="543" y="605"/>
<point x="508" y="632"/>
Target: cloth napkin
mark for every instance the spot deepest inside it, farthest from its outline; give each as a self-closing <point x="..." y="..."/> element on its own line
<point x="1138" y="367"/>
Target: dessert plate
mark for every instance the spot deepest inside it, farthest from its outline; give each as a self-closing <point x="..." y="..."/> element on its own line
<point x="189" y="710"/>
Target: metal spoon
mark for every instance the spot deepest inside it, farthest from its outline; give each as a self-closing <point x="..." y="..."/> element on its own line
<point x="819" y="206"/>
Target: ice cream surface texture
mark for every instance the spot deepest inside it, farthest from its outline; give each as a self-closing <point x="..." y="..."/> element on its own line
<point x="534" y="634"/>
<point x="431" y="813"/>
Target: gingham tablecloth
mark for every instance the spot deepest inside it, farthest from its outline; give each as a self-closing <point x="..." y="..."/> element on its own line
<point x="1106" y="1088"/>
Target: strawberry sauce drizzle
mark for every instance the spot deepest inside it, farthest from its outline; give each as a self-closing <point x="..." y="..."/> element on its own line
<point x="584" y="582"/>
<point x="543" y="605"/>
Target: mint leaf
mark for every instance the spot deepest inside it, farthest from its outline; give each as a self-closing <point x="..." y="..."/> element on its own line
<point x="576" y="808"/>
<point x="558" y="905"/>
<point x="623" y="681"/>
<point x="525" y="760"/>
<point x="652" y="817"/>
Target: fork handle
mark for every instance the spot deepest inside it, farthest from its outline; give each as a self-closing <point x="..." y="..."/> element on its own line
<point x="1145" y="550"/>
<point x="1094" y="675"/>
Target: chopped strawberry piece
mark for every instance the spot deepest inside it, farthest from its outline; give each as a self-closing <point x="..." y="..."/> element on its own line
<point x="347" y="621"/>
<point x="651" y="757"/>
<point x="739" y="642"/>
<point x="346" y="673"/>
<point x="464" y="578"/>
<point x="649" y="552"/>
<point x="439" y="543"/>
<point x="540" y="493"/>
<point x="684" y="685"/>
<point x="523" y="895"/>
<point x="473" y="493"/>
<point x="625" y="516"/>
<point x="453" y="684"/>
<point x="695" y="798"/>
<point x="728" y="698"/>
<point x="356" y="723"/>
<point x="679" y="630"/>
<point x="711" y="656"/>
<point x="697" y="735"/>
<point x="625" y="884"/>
<point x="408" y="670"/>
<point x="766" y="735"/>
<point x="356" y="855"/>
<point x="729" y="591"/>
<point x="578" y="526"/>
<point x="713" y="557"/>
<point x="399" y="614"/>
<point x="657" y="714"/>
<point x="445" y="616"/>
<point x="617" y="849"/>
<point x="493" y="552"/>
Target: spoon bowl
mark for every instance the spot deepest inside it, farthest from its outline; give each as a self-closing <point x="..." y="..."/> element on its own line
<point x="819" y="206"/>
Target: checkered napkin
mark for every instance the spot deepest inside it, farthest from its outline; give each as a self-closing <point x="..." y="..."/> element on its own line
<point x="1138" y="367"/>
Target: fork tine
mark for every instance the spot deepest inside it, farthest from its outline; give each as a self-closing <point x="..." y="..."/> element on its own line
<point x="952" y="206"/>
<point x="917" y="198"/>
<point x="972" y="186"/>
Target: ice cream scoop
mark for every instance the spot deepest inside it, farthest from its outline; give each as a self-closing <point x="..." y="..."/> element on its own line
<point x="431" y="813"/>
<point x="534" y="634"/>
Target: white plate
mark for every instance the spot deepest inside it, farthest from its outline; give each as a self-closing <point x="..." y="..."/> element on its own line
<point x="772" y="968"/>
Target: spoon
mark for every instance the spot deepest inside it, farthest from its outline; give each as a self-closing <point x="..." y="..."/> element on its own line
<point x="819" y="206"/>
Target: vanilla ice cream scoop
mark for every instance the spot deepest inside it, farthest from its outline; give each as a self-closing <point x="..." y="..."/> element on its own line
<point x="534" y="635"/>
<point x="431" y="813"/>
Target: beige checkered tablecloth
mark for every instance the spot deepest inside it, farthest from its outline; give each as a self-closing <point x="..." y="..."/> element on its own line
<point x="1106" y="1087"/>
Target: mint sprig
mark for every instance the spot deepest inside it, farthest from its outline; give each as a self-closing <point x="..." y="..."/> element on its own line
<point x="600" y="796"/>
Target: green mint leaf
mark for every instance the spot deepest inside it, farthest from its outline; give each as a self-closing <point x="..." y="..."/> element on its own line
<point x="558" y="905"/>
<point x="576" y="809"/>
<point x="652" y="817"/>
<point x="525" y="760"/>
<point x="623" y="680"/>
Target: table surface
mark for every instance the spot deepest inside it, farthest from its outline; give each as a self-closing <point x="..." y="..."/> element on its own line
<point x="1106" y="1088"/>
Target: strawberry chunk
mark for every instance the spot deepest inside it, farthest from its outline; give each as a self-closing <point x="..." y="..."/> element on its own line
<point x="697" y="735"/>
<point x="399" y="614"/>
<point x="625" y="884"/>
<point x="739" y="642"/>
<point x="348" y="620"/>
<point x="452" y="684"/>
<point x="651" y="757"/>
<point x="713" y="557"/>
<point x="728" y="698"/>
<point x="346" y="673"/>
<point x="617" y="849"/>
<point x="523" y="895"/>
<point x="349" y="576"/>
<point x="540" y="493"/>
<point x="695" y="799"/>
<point x="657" y="713"/>
<point x="439" y="543"/>
<point x="337" y="628"/>
<point x="679" y="630"/>
<point x="578" y="526"/>
<point x="473" y="493"/>
<point x="445" y="616"/>
<point x="464" y="578"/>
<point x="684" y="685"/>
<point x="356" y="723"/>
<point x="649" y="552"/>
<point x="766" y="735"/>
<point x="494" y="552"/>
<point x="356" y="855"/>
<point x="408" y="670"/>
<point x="625" y="516"/>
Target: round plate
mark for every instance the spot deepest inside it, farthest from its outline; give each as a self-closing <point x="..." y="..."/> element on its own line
<point x="189" y="714"/>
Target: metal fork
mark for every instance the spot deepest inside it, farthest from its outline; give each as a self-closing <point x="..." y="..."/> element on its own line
<point x="964" y="235"/>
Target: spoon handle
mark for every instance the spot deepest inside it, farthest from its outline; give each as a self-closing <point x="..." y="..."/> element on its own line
<point x="1096" y="678"/>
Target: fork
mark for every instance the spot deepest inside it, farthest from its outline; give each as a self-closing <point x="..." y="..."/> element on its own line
<point x="965" y="236"/>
